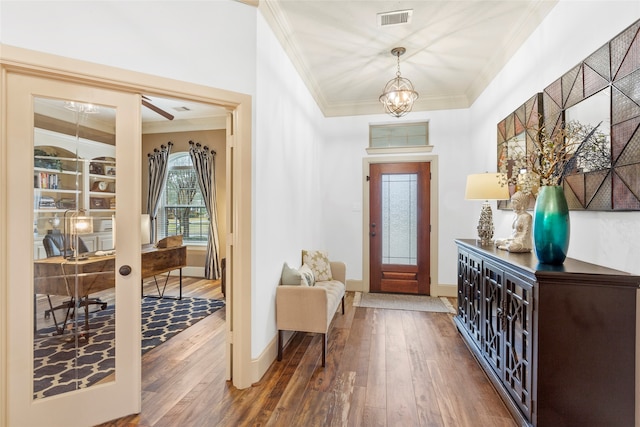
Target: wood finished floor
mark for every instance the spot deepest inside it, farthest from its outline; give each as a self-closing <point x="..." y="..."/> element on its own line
<point x="384" y="368"/>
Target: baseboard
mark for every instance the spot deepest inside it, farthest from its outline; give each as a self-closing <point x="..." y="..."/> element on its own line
<point x="263" y="362"/>
<point x="445" y="291"/>
<point x="354" y="285"/>
<point x="193" y="271"/>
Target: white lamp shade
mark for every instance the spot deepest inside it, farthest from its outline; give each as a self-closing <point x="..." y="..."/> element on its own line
<point x="487" y="186"/>
<point x="145" y="226"/>
<point x="80" y="225"/>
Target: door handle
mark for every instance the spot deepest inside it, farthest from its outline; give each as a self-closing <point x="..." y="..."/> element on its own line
<point x="125" y="270"/>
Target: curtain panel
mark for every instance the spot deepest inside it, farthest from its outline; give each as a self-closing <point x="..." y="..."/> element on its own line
<point x="204" y="163"/>
<point x="158" y="162"/>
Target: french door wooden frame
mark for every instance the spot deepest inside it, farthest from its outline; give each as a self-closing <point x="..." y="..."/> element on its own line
<point x="122" y="390"/>
<point x="238" y="311"/>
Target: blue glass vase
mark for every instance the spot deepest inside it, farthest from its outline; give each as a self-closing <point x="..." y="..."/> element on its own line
<point x="551" y="226"/>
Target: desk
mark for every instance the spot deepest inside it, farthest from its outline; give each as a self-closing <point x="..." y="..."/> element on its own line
<point x="162" y="260"/>
<point x="57" y="276"/>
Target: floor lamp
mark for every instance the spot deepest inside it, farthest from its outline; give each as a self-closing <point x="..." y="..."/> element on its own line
<point x="486" y="186"/>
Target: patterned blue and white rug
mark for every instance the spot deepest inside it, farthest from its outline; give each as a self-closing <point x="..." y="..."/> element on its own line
<point x="58" y="368"/>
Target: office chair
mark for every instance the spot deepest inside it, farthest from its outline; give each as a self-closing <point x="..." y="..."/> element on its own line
<point x="54" y="245"/>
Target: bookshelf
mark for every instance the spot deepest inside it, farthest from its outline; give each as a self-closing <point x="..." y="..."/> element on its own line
<point x="73" y="174"/>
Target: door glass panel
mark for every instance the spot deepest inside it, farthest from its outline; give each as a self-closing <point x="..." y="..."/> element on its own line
<point x="74" y="178"/>
<point x="399" y="218"/>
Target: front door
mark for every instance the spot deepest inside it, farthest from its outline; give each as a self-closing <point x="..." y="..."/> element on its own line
<point x="71" y="149"/>
<point x="399" y="227"/>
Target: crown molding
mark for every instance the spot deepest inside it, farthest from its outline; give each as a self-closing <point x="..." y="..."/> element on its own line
<point x="536" y="12"/>
<point x="254" y="3"/>
<point x="422" y="104"/>
<point x="282" y="30"/>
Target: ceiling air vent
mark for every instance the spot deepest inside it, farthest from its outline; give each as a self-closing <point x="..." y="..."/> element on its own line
<point x="397" y="17"/>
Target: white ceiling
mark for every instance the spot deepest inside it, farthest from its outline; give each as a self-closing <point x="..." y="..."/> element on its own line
<point x="454" y="47"/>
<point x="188" y="116"/>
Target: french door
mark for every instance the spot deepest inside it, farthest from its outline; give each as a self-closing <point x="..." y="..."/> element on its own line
<point x="71" y="149"/>
<point x="399" y="227"/>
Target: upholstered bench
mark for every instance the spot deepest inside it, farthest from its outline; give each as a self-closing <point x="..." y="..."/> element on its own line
<point x="310" y="308"/>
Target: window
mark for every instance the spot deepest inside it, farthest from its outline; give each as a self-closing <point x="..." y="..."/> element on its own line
<point x="182" y="209"/>
<point x="406" y="134"/>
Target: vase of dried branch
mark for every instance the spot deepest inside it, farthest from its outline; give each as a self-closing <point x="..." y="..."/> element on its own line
<point x="551" y="225"/>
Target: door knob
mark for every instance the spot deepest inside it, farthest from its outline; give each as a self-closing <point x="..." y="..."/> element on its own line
<point x="125" y="270"/>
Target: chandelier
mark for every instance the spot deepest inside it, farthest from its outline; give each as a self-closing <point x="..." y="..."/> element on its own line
<point x="80" y="107"/>
<point x="398" y="94"/>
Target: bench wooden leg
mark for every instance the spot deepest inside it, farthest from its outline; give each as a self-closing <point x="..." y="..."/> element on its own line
<point x="342" y="304"/>
<point x="280" y="332"/>
<point x="324" y="348"/>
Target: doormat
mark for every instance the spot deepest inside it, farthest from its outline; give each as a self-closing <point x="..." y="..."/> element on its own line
<point x="403" y="302"/>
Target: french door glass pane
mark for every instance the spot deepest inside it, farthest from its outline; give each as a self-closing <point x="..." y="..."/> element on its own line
<point x="74" y="201"/>
<point x="399" y="218"/>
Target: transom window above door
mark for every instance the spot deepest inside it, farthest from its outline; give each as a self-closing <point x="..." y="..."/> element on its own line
<point x="401" y="135"/>
<point x="404" y="137"/>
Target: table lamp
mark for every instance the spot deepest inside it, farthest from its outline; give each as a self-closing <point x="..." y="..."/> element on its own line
<point x="486" y="186"/>
<point x="75" y="225"/>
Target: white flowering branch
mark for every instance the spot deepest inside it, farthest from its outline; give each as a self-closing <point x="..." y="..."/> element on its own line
<point x="572" y="148"/>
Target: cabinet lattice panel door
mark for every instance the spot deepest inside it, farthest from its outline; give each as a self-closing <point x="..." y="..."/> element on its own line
<point x="469" y="294"/>
<point x="493" y="316"/>
<point x="517" y="341"/>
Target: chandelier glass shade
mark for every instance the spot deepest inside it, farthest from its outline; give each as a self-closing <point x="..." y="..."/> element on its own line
<point x="80" y="107"/>
<point x="398" y="95"/>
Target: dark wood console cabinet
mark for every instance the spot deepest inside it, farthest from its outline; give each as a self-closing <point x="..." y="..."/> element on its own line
<point x="558" y="342"/>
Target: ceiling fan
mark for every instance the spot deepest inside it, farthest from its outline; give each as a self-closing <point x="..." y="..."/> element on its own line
<point x="147" y="103"/>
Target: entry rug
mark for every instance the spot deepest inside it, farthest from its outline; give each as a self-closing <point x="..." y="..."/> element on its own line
<point x="57" y="371"/>
<point x="403" y="302"/>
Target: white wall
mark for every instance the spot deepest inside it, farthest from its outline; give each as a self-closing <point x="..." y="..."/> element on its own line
<point x="465" y="143"/>
<point x="210" y="43"/>
<point x="223" y="44"/>
<point x="307" y="169"/>
<point x="571" y="32"/>
<point x="347" y="139"/>
<point x="287" y="192"/>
